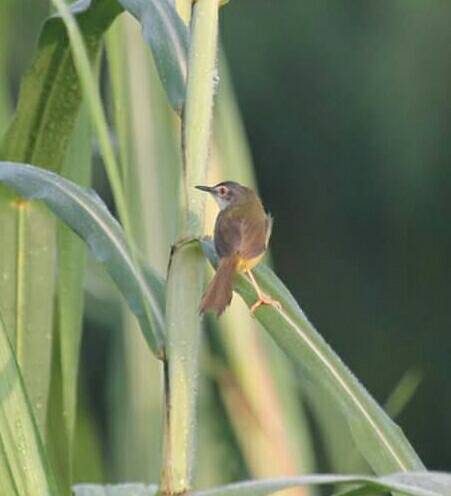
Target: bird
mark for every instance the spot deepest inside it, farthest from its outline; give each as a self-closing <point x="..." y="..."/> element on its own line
<point x="241" y="235"/>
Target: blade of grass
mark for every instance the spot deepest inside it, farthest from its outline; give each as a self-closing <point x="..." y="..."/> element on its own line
<point x="48" y="106"/>
<point x="403" y="392"/>
<point x="20" y="443"/>
<point x="167" y="36"/>
<point x="87" y="215"/>
<point x="92" y="95"/>
<point x="69" y="312"/>
<point x="414" y="484"/>
<point x="186" y="271"/>
<point x="377" y="437"/>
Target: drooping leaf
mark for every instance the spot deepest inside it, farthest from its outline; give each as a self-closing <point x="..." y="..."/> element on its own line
<point x="378" y="438"/>
<point x="87" y="215"/>
<point x="167" y="36"/>
<point x="410" y="483"/>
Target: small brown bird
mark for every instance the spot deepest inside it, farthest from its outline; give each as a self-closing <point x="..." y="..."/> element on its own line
<point x="242" y="232"/>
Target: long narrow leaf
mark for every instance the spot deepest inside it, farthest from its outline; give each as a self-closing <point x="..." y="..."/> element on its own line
<point x="380" y="441"/>
<point x="414" y="484"/>
<point x="48" y="105"/>
<point x="411" y="484"/>
<point x="20" y="444"/>
<point x="167" y="36"/>
<point x="87" y="215"/>
<point x="68" y="314"/>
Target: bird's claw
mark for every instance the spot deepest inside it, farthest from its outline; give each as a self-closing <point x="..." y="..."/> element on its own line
<point x="264" y="299"/>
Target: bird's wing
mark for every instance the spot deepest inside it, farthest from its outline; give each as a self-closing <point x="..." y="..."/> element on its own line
<point x="253" y="238"/>
<point x="236" y="234"/>
<point x="227" y="234"/>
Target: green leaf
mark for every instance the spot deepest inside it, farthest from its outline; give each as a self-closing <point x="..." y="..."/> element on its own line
<point x="410" y="483"/>
<point x="69" y="313"/>
<point x="50" y="94"/>
<point x="87" y="215"/>
<point x="49" y="101"/>
<point x="21" y="450"/>
<point x="118" y="490"/>
<point x="6" y="11"/>
<point x="380" y="441"/>
<point x="167" y="36"/>
<point x="27" y="265"/>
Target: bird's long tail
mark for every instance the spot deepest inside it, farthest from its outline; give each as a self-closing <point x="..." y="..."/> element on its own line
<point x="219" y="292"/>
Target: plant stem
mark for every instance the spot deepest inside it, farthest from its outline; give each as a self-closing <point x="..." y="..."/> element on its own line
<point x="186" y="272"/>
<point x="196" y="130"/>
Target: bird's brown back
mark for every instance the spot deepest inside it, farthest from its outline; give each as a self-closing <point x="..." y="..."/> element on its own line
<point x="242" y="230"/>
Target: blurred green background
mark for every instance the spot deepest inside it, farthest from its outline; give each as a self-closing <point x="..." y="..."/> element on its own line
<point x="347" y="106"/>
<point x="348" y="110"/>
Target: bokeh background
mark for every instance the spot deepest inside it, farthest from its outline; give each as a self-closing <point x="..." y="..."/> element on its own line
<point x="347" y="106"/>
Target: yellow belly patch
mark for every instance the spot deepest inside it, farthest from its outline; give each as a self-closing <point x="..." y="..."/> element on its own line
<point x="248" y="264"/>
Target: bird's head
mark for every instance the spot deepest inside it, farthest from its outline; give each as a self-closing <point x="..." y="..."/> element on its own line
<point x="228" y="193"/>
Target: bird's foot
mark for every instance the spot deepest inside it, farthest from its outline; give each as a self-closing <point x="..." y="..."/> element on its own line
<point x="264" y="299"/>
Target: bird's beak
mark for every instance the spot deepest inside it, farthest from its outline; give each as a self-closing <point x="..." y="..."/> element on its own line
<point x="208" y="189"/>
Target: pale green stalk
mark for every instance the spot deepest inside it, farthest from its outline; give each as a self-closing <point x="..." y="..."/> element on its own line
<point x="91" y="92"/>
<point x="186" y="273"/>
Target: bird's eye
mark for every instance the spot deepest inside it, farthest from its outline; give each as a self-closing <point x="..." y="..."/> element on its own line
<point x="222" y="191"/>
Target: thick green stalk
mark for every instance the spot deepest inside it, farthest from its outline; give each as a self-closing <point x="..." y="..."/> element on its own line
<point x="196" y="129"/>
<point x="186" y="272"/>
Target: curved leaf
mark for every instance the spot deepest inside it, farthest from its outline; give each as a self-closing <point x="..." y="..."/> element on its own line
<point x="87" y="215"/>
<point x="378" y="438"/>
<point x="167" y="36"/>
<point x="413" y="483"/>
